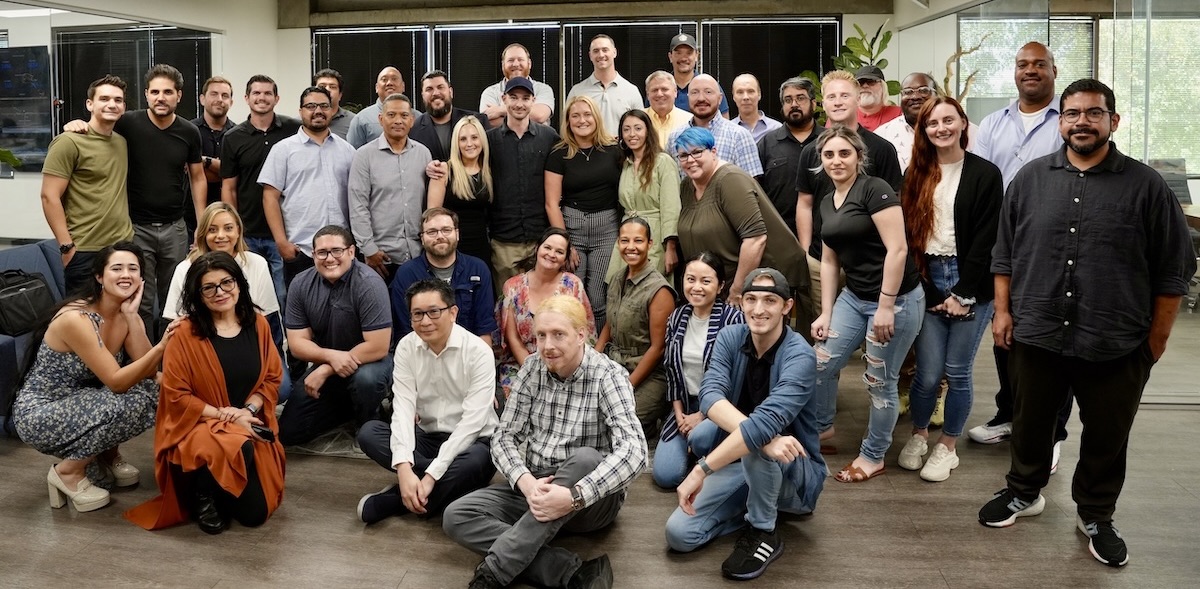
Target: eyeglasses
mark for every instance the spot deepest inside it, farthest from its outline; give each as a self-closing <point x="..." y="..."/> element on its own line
<point x="210" y="290"/>
<point x="693" y="154"/>
<point x="336" y="252"/>
<point x="789" y="100"/>
<point x="433" y="233"/>
<point x="418" y="316"/>
<point x="919" y="91"/>
<point x="1094" y="115"/>
<point x="315" y="106"/>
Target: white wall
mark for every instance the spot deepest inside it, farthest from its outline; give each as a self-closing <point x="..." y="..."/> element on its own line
<point x="247" y="43"/>
<point x="868" y="23"/>
<point x="925" y="48"/>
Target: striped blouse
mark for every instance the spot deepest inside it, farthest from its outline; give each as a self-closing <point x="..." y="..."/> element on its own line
<point x="677" y="324"/>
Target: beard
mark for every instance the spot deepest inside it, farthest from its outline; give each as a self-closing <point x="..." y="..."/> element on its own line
<point x="441" y="111"/>
<point x="868" y="100"/>
<point x="1086" y="146"/>
<point x="799" y="120"/>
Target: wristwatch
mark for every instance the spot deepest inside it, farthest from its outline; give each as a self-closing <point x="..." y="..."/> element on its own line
<point x="207" y="161"/>
<point x="703" y="464"/>
<point x="66" y="247"/>
<point x="576" y="498"/>
<point x="252" y="408"/>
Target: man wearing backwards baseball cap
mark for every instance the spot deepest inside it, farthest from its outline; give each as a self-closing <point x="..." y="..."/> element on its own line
<point x="757" y="397"/>
<point x="873" y="107"/>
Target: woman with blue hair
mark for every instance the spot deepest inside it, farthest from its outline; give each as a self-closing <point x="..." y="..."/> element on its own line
<point x="725" y="211"/>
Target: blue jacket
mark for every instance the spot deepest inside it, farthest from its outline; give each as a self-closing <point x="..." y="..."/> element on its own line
<point x="472" y="283"/>
<point x="790" y="407"/>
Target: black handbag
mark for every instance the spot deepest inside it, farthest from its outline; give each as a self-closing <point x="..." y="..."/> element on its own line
<point x="25" y="300"/>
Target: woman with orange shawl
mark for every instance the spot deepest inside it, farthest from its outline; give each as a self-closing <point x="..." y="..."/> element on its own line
<point x="216" y="457"/>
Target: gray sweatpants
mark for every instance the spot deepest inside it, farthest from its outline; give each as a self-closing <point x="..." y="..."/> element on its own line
<point x="495" y="521"/>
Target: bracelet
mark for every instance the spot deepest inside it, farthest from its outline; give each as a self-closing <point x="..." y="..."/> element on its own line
<point x="888" y="294"/>
<point x="703" y="464"/>
<point x="252" y="408"/>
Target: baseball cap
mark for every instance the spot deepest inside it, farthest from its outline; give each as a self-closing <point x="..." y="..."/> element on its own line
<point x="869" y="72"/>
<point x="780" y="286"/>
<point x="518" y="82"/>
<point x="683" y="39"/>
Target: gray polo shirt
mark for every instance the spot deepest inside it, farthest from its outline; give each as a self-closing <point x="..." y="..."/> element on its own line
<point x="542" y="94"/>
<point x="387" y="195"/>
<point x="339" y="123"/>
<point x="1087" y="251"/>
<point x="339" y="312"/>
<point x="312" y="178"/>
<point x="365" y="127"/>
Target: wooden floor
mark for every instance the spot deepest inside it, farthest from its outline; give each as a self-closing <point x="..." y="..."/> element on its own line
<point x="892" y="531"/>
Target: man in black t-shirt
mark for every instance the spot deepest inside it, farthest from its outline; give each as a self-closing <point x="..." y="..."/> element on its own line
<point x="216" y="97"/>
<point x="243" y="153"/>
<point x="164" y="158"/>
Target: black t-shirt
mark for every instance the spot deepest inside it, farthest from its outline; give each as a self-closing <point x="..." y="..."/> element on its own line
<point x="243" y="152"/>
<point x="881" y="163"/>
<point x="210" y="146"/>
<point x="779" y="153"/>
<point x="757" y="384"/>
<point x="240" y="363"/>
<point x="157" y="166"/>
<point x="850" y="231"/>
<point x="590" y="179"/>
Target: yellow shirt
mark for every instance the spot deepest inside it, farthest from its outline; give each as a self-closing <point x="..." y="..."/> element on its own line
<point x="664" y="126"/>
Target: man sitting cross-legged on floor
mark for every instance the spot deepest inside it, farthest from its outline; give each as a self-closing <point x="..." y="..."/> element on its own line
<point x="757" y="397"/>
<point x="444" y="381"/>
<point x="572" y="409"/>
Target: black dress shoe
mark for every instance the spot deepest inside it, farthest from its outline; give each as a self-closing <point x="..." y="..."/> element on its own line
<point x="207" y="516"/>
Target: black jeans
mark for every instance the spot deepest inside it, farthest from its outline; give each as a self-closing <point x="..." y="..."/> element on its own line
<point x="78" y="272"/>
<point x="294" y="266"/>
<point x="472" y="469"/>
<point x="1004" y="398"/>
<point x="249" y="508"/>
<point x="1108" y="394"/>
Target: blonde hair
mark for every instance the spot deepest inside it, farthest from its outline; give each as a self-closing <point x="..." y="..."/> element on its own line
<point x="600" y="138"/>
<point x="842" y="75"/>
<point x="567" y="306"/>
<point x="460" y="179"/>
<point x="206" y="220"/>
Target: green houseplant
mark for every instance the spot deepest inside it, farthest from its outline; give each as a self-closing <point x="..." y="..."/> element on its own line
<point x="855" y="53"/>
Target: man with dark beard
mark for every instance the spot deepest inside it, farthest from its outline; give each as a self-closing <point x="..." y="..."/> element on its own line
<point x="1091" y="260"/>
<point x="433" y="129"/>
<point x="779" y="150"/>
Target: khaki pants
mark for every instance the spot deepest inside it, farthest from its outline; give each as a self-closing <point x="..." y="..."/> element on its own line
<point x="505" y="255"/>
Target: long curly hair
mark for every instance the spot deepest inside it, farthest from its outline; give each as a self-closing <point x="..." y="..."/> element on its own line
<point x="924" y="173"/>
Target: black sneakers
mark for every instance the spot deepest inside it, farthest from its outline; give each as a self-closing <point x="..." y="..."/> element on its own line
<point x="752" y="553"/>
<point x="1106" y="543"/>
<point x="593" y="574"/>
<point x="1004" y="509"/>
<point x="484" y="579"/>
<point x="376" y="507"/>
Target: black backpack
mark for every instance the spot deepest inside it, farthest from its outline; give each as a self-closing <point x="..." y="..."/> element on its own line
<point x="25" y="299"/>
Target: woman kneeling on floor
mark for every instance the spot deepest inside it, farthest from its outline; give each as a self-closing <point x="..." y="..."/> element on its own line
<point x="60" y="407"/>
<point x="216" y="456"/>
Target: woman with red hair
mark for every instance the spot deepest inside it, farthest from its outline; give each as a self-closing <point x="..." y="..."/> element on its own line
<point x="951" y="202"/>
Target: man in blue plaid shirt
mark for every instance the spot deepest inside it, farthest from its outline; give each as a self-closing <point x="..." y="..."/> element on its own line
<point x="572" y="408"/>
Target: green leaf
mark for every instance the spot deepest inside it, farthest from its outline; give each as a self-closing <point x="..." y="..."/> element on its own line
<point x="7" y="157"/>
<point x="893" y="87"/>
<point x="861" y="34"/>
<point x="856" y="45"/>
<point x="812" y="76"/>
<point x="883" y="43"/>
<point x="881" y="64"/>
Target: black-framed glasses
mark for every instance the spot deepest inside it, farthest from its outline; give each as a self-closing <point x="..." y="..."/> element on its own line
<point x="336" y="252"/>
<point x="693" y="154"/>
<point x="1094" y="115"/>
<point x="433" y="233"/>
<point x="925" y="91"/>
<point x="315" y="106"/>
<point x="418" y="316"/>
<point x="210" y="290"/>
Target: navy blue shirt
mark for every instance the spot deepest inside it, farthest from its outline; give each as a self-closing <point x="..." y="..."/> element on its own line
<point x="473" y="293"/>
<point x="338" y="312"/>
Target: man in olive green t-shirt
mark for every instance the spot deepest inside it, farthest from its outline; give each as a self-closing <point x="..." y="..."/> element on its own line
<point x="83" y="184"/>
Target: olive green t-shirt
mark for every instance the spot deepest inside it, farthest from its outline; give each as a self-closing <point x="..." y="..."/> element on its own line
<point x="96" y="167"/>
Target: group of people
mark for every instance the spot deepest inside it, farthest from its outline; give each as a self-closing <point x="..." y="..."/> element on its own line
<point x="475" y="292"/>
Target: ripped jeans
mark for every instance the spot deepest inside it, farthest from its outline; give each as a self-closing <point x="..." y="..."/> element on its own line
<point x="852" y="321"/>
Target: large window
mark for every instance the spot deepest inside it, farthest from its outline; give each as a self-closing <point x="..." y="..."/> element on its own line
<point x="359" y="54"/>
<point x="471" y="56"/>
<point x="1071" y="40"/>
<point x="1154" y="95"/>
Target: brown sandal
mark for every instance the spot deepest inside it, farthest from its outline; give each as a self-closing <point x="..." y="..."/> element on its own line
<point x="854" y="474"/>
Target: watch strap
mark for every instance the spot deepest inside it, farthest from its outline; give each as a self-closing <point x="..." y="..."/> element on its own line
<point x="703" y="464"/>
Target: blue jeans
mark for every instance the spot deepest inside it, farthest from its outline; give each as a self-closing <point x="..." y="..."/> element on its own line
<point x="265" y="247"/>
<point x="277" y="336"/>
<point x="354" y="399"/>
<point x="853" y="320"/>
<point x="946" y="346"/>
<point x="673" y="459"/>
<point x="752" y="491"/>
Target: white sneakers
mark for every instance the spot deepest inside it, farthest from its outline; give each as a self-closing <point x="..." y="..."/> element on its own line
<point x="940" y="463"/>
<point x="913" y="452"/>
<point x="1057" y="455"/>
<point x="991" y="434"/>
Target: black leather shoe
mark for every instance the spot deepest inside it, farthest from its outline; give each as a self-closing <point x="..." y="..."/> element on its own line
<point x="207" y="516"/>
<point x="593" y="574"/>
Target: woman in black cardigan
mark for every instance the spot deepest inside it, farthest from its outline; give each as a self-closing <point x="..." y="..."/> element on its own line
<point x="951" y="204"/>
